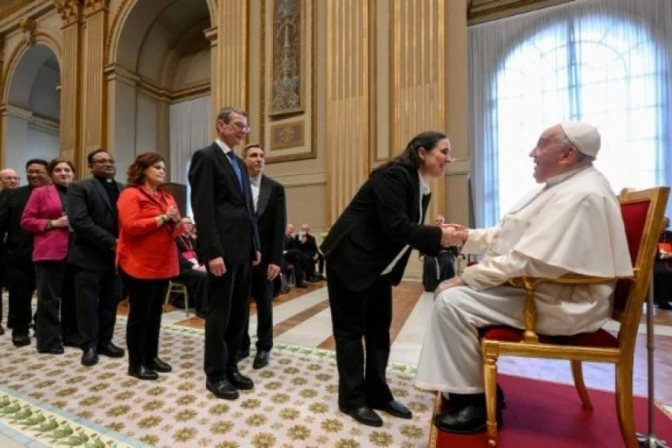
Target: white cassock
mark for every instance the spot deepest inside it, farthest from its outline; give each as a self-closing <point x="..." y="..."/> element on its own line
<point x="572" y="224"/>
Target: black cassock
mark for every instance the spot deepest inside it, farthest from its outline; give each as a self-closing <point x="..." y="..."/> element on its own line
<point x="437" y="269"/>
<point x="662" y="276"/>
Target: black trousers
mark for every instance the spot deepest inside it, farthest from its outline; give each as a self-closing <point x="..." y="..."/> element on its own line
<point x="662" y="281"/>
<point x="262" y="291"/>
<point x="227" y="310"/>
<point x="97" y="293"/>
<point x="3" y="283"/>
<point x="295" y="256"/>
<point x="145" y="299"/>
<point x="309" y="264"/>
<point x="21" y="285"/>
<point x="357" y="314"/>
<point x="56" y="316"/>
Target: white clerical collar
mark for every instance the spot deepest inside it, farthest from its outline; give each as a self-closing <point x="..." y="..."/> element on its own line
<point x="555" y="180"/>
<point x="224" y="146"/>
<point x="256" y="180"/>
<point x="424" y="186"/>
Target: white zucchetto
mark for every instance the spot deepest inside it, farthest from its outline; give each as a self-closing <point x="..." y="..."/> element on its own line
<point x="583" y="136"/>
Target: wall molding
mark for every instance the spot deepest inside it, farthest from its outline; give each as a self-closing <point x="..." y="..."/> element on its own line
<point x="295" y="180"/>
<point x="481" y="11"/>
<point x="34" y="121"/>
<point x="122" y="74"/>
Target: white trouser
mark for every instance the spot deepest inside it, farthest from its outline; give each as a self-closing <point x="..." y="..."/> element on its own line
<point x="450" y="359"/>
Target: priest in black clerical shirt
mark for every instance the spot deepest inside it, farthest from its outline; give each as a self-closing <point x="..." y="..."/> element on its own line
<point x="92" y="214"/>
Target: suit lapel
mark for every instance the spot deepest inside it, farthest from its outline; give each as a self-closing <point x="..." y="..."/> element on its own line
<point x="225" y="166"/>
<point x="264" y="195"/>
<point x="103" y="194"/>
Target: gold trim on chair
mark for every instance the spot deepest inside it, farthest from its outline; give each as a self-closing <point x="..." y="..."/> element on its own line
<point x="621" y="356"/>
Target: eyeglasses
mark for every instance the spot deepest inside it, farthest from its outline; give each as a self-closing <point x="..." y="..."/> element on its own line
<point x="241" y="126"/>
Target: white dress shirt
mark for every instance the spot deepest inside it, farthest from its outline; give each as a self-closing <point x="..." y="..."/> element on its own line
<point x="255" y="183"/>
<point x="224" y="148"/>
<point x="424" y="191"/>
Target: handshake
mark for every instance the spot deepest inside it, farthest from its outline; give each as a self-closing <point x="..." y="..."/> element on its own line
<point x="453" y="235"/>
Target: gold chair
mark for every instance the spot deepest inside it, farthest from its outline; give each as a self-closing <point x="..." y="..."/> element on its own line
<point x="642" y="213"/>
<point x="180" y="289"/>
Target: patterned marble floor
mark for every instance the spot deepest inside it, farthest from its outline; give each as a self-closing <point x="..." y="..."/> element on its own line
<point x="302" y="319"/>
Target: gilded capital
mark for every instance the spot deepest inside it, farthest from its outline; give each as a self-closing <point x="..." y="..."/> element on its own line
<point x="70" y="11"/>
<point x="28" y="26"/>
<point x="93" y="6"/>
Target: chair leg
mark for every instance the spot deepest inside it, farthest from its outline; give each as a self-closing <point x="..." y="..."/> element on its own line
<point x="577" y="373"/>
<point x="186" y="300"/>
<point x="626" y="419"/>
<point x="490" y="379"/>
<point x="170" y="289"/>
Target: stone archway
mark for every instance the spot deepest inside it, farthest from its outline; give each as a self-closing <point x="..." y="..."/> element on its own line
<point x="157" y="56"/>
<point x="31" y="115"/>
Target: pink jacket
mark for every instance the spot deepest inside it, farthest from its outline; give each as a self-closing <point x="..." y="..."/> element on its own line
<point x="44" y="205"/>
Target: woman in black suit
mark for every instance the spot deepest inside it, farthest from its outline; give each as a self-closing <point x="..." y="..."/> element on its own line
<point x="366" y="251"/>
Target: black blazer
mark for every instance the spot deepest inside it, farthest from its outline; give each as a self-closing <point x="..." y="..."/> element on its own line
<point x="18" y="246"/>
<point x="309" y="247"/>
<point x="93" y="219"/>
<point x="379" y="222"/>
<point x="223" y="213"/>
<point x="271" y="220"/>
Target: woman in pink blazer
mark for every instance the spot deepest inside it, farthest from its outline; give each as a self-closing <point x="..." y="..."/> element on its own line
<point x="45" y="217"/>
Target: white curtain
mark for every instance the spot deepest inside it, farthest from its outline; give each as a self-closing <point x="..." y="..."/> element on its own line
<point x="603" y="61"/>
<point x="190" y="125"/>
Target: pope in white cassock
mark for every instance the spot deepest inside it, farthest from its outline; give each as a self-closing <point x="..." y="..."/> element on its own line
<point x="570" y="224"/>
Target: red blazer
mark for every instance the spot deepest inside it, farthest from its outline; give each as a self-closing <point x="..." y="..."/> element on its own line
<point x="144" y="250"/>
<point x="44" y="205"/>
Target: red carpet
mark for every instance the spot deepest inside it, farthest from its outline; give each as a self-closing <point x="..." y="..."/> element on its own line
<point x="548" y="415"/>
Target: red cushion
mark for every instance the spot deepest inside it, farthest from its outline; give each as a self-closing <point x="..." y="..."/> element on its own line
<point x="601" y="338"/>
<point x="634" y="219"/>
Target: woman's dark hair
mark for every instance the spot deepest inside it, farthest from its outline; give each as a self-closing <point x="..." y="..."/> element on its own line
<point x="57" y="161"/>
<point x="136" y="172"/>
<point x="410" y="157"/>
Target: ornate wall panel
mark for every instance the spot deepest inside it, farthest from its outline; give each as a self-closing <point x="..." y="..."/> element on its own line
<point x="288" y="76"/>
<point x="350" y="32"/>
<point x="418" y="71"/>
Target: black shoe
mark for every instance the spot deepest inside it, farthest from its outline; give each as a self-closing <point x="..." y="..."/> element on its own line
<point x="239" y="381"/>
<point x="242" y="354"/>
<point x="143" y="373"/>
<point x="222" y="389"/>
<point x="261" y="359"/>
<point x="51" y="351"/>
<point x="365" y="415"/>
<point x="665" y="306"/>
<point x="301" y="285"/>
<point x="111" y="350"/>
<point x="20" y="340"/>
<point x="458" y="401"/>
<point x="160" y="366"/>
<point x="395" y="409"/>
<point x="90" y="357"/>
<point x="471" y="419"/>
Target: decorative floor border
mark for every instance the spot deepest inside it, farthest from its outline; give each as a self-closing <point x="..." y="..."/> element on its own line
<point x="36" y="424"/>
<point x="401" y="369"/>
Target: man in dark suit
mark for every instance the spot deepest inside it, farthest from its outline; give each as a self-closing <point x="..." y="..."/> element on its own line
<point x="221" y="200"/>
<point x="270" y="208"/>
<point x="92" y="214"/>
<point x="311" y="254"/>
<point x="18" y="254"/>
<point x="9" y="180"/>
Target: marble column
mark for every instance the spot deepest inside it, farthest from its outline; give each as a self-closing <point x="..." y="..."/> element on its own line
<point x="211" y="35"/>
<point x="70" y="121"/>
<point x="231" y="63"/>
<point x="94" y="96"/>
<point x="350" y="133"/>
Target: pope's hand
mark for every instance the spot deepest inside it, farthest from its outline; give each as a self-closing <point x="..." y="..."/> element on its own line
<point x="447" y="284"/>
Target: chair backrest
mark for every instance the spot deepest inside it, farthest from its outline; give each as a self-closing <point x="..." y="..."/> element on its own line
<point x="642" y="213"/>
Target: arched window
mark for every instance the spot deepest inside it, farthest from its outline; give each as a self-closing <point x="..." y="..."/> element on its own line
<point x="606" y="71"/>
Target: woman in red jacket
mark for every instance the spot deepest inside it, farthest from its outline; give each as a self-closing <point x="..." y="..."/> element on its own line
<point x="44" y="216"/>
<point x="147" y="257"/>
